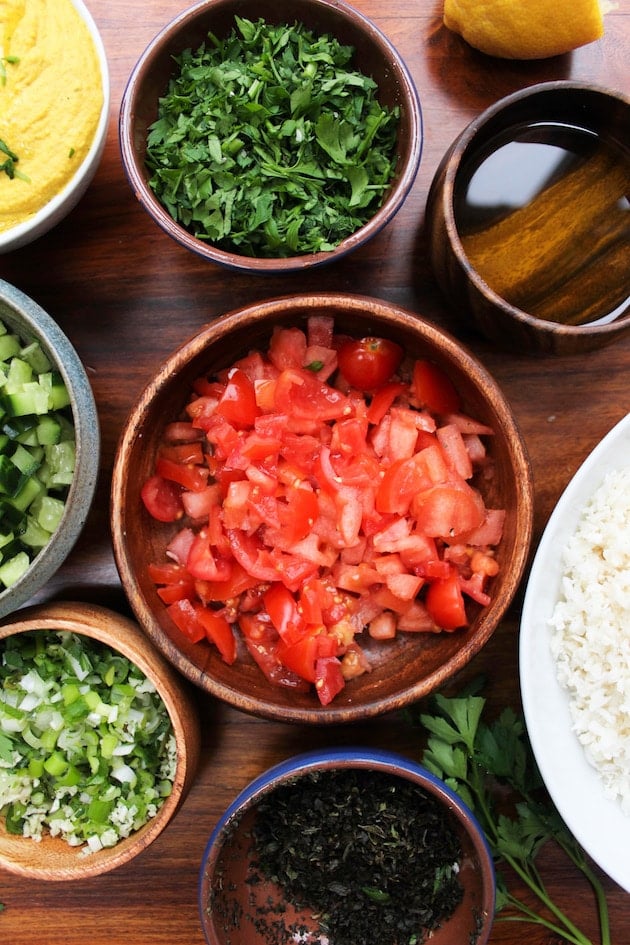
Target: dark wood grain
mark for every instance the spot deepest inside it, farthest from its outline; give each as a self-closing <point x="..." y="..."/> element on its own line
<point x="127" y="296"/>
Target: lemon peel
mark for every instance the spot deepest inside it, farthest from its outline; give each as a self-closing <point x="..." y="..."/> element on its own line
<point x="535" y="29"/>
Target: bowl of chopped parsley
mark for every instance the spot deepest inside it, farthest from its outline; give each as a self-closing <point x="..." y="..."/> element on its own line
<point x="349" y="846"/>
<point x="99" y="741"/>
<point x="271" y="136"/>
<point x="49" y="447"/>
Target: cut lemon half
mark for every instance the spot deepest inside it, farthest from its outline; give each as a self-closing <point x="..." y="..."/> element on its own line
<point x="531" y="29"/>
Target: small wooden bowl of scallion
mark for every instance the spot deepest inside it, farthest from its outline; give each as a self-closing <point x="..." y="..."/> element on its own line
<point x="99" y="742"/>
<point x="271" y="135"/>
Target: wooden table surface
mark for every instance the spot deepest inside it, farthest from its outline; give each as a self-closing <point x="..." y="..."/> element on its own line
<point x="126" y="295"/>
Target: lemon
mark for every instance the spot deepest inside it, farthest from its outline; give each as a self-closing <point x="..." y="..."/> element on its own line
<point x="525" y="29"/>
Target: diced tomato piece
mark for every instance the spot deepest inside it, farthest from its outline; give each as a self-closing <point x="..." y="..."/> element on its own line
<point x="454" y="448"/>
<point x="169" y="593"/>
<point x="193" y="478"/>
<point x="219" y="632"/>
<point x="383" y="626"/>
<point x="183" y="613"/>
<point x="303" y="395"/>
<point x="445" y="603"/>
<point x="199" y="505"/>
<point x="319" y="330"/>
<point x="190" y="452"/>
<point x="162" y="499"/>
<point x="180" y="431"/>
<point x="300" y="656"/>
<point x="383" y="399"/>
<point x="447" y="511"/>
<point x="282" y="608"/>
<point x="237" y="583"/>
<point x="329" y="680"/>
<point x="167" y="573"/>
<point x="287" y="348"/>
<point x="203" y="563"/>
<point x="434" y="389"/>
<point x="298" y="513"/>
<point x="238" y="401"/>
<point x="262" y="646"/>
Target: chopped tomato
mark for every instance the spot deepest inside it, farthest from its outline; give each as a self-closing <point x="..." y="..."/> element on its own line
<point x="329" y="491"/>
<point x="162" y="499"/>
<point x="434" y="389"/>
<point x="445" y="603"/>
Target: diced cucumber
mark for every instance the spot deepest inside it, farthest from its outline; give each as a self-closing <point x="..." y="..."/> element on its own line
<point x="12" y="570"/>
<point x="9" y="347"/>
<point x="34" y="355"/>
<point x="48" y="511"/>
<point x="37" y="452"/>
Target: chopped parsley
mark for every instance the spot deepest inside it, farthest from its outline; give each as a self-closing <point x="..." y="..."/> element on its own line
<point x="268" y="143"/>
<point x="11" y="159"/>
<point x="87" y="750"/>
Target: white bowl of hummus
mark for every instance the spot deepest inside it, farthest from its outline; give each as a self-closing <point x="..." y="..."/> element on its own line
<point x="54" y="109"/>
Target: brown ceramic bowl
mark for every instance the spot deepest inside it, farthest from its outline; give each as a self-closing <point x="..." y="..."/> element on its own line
<point x="527" y="220"/>
<point x="374" y="56"/>
<point x="403" y="670"/>
<point x="52" y="858"/>
<point x="235" y="904"/>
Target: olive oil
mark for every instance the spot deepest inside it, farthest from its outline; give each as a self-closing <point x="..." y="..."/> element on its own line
<point x="543" y="214"/>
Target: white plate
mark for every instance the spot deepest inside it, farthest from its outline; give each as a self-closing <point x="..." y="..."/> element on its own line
<point x="597" y="822"/>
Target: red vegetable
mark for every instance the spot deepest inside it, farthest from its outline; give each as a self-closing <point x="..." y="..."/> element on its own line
<point x="314" y="513"/>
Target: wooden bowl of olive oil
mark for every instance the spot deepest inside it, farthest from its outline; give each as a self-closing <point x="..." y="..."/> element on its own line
<point x="528" y="219"/>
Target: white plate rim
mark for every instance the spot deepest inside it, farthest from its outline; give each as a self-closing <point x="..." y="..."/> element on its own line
<point x="596" y="821"/>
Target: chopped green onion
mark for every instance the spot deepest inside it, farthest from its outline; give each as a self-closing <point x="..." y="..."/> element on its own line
<point x="87" y="750"/>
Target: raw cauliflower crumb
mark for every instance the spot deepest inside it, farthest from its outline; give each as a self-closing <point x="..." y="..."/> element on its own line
<point x="590" y="632"/>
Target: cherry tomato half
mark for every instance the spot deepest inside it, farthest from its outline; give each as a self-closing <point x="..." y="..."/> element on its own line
<point x="369" y="362"/>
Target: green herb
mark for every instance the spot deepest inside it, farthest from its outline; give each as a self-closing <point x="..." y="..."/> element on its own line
<point x="479" y="760"/>
<point x="11" y="60"/>
<point x="269" y="143"/>
<point x="87" y="747"/>
<point x="8" y="165"/>
<point x="374" y="857"/>
<point x="315" y="366"/>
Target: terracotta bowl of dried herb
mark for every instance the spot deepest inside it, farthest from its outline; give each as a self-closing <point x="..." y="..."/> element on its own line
<point x="304" y="148"/>
<point x="347" y="845"/>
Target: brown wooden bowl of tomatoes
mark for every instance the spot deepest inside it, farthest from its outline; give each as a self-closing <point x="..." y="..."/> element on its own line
<point x="321" y="508"/>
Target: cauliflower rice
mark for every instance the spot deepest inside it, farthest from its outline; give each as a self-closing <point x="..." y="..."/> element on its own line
<point x="590" y="632"/>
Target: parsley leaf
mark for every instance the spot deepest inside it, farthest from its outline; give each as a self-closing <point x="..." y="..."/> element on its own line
<point x="269" y="144"/>
<point x="479" y="761"/>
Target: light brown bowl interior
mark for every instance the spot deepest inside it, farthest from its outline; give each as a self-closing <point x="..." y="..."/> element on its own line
<point x="52" y="858"/>
<point x="239" y="906"/>
<point x="413" y="664"/>
<point x="374" y="56"/>
<point x="563" y="102"/>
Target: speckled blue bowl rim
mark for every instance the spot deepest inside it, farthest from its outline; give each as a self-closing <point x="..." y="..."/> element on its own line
<point x="354" y="757"/>
<point x="29" y="320"/>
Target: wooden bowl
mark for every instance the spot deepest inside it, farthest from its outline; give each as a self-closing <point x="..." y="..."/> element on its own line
<point x="52" y="858"/>
<point x="374" y="56"/>
<point x="233" y="908"/>
<point x="403" y="670"/>
<point x="527" y="220"/>
<point x="25" y="318"/>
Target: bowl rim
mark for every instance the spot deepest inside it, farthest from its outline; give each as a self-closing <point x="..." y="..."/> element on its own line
<point x="452" y="163"/>
<point x="40" y="324"/>
<point x="337" y="757"/>
<point x="22" y="233"/>
<point x="253" y="264"/>
<point x="302" y="306"/>
<point x="90" y="620"/>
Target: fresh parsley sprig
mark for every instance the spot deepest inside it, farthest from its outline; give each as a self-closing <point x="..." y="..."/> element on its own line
<point x="479" y="760"/>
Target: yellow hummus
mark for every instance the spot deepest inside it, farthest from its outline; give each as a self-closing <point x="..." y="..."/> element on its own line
<point x="51" y="96"/>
